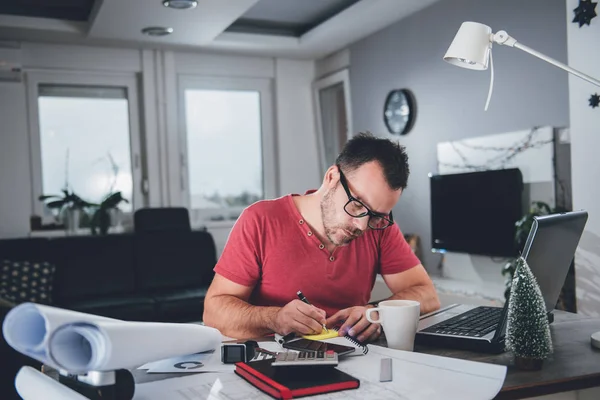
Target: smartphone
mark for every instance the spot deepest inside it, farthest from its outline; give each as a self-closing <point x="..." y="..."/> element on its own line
<point x="315" y="345"/>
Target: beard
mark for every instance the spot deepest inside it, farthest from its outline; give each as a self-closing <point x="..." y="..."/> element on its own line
<point x="332" y="227"/>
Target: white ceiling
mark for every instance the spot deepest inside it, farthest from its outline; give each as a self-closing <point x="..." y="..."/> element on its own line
<point x="120" y="22"/>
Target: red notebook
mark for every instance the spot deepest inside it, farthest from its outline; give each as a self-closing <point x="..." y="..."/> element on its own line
<point x="291" y="382"/>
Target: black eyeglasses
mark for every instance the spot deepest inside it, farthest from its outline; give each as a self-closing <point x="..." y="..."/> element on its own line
<point x="356" y="209"/>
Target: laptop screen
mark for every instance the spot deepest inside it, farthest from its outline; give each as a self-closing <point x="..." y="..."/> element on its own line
<point x="550" y="248"/>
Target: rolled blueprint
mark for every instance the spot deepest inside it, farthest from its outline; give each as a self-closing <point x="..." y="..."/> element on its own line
<point x="31" y="384"/>
<point x="109" y="345"/>
<point x="78" y="342"/>
<point x="27" y="327"/>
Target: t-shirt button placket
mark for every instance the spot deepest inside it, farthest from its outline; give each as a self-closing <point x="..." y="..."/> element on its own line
<point x="321" y="246"/>
<point x="301" y="221"/>
<point x="309" y="233"/>
<point x="332" y="258"/>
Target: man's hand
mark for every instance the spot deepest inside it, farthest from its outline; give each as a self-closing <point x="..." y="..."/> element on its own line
<point x="297" y="316"/>
<point x="355" y="323"/>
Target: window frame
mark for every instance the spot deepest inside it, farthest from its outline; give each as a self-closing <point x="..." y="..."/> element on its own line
<point x="127" y="81"/>
<point x="269" y="172"/>
<point x="343" y="77"/>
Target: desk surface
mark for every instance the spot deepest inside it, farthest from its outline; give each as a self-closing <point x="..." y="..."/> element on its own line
<point x="574" y="365"/>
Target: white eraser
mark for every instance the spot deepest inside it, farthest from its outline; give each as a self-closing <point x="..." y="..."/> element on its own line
<point x="596" y="340"/>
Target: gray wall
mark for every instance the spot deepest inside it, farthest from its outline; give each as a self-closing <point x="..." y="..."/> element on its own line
<point x="450" y="100"/>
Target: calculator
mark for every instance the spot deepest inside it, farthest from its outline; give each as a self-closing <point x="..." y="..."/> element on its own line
<point x="304" y="358"/>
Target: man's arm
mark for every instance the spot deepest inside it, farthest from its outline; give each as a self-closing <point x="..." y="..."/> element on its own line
<point x="414" y="284"/>
<point x="226" y="308"/>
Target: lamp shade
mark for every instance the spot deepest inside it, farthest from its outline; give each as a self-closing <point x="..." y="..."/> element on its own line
<point x="471" y="46"/>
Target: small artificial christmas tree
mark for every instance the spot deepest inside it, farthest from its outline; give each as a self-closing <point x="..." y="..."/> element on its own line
<point x="527" y="330"/>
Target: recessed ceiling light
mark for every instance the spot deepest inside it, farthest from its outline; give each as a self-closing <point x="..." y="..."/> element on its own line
<point x="157" y="31"/>
<point x="180" y="4"/>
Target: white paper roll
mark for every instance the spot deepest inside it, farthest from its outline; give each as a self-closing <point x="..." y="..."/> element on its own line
<point x="28" y="326"/>
<point x="109" y="345"/>
<point x="34" y="385"/>
<point x="79" y="342"/>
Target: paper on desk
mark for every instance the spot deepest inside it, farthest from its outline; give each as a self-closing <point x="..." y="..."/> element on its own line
<point x="416" y="376"/>
<point x="209" y="361"/>
<point x="34" y="385"/>
<point x="79" y="343"/>
<point x="419" y="376"/>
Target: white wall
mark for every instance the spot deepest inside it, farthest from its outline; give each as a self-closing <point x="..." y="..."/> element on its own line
<point x="332" y="63"/>
<point x="157" y="70"/>
<point x="297" y="142"/>
<point x="584" y="55"/>
<point x="450" y="101"/>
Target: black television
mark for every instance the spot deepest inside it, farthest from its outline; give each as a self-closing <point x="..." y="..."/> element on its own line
<point x="475" y="212"/>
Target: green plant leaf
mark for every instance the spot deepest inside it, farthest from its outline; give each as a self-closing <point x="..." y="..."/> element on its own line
<point x="48" y="196"/>
<point x="56" y="204"/>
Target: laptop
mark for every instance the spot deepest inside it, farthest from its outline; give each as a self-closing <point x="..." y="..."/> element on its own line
<point x="549" y="251"/>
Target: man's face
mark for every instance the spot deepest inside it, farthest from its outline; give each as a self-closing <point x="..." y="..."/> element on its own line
<point x="368" y="185"/>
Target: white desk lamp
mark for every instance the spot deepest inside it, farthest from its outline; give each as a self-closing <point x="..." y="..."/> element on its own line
<point x="472" y="48"/>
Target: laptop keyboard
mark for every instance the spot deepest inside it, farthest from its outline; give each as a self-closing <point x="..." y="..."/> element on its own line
<point x="477" y="322"/>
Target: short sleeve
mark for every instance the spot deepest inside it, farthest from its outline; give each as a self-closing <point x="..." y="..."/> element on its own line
<point x="240" y="260"/>
<point x="395" y="254"/>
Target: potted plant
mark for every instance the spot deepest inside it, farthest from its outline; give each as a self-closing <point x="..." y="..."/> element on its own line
<point x="66" y="207"/>
<point x="522" y="232"/>
<point x="101" y="218"/>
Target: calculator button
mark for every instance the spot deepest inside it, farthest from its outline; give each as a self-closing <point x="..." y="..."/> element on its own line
<point x="320" y="354"/>
<point x="281" y="357"/>
<point x="330" y="354"/>
<point x="310" y="355"/>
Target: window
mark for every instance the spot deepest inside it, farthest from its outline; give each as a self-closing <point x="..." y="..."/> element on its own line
<point x="85" y="137"/>
<point x="228" y="142"/>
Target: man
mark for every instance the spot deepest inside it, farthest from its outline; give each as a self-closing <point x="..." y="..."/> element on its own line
<point x="329" y="243"/>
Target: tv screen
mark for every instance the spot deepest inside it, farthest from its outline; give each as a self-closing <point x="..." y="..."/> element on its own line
<point x="476" y="212"/>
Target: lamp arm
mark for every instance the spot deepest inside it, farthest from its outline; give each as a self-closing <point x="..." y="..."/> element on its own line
<point x="501" y="37"/>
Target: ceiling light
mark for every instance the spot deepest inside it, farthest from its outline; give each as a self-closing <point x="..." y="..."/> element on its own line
<point x="157" y="31"/>
<point x="180" y="4"/>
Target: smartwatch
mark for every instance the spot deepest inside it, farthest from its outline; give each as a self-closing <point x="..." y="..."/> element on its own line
<point x="232" y="353"/>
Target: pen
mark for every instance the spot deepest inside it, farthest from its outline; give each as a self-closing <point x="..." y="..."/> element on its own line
<point x="305" y="300"/>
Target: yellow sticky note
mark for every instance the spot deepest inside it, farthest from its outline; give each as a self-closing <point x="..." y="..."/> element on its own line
<point x="323" y="335"/>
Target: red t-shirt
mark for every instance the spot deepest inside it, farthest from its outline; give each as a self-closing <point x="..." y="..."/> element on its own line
<point x="273" y="249"/>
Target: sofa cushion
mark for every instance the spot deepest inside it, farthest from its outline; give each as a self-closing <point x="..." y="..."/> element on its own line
<point x="183" y="305"/>
<point x="25" y="249"/>
<point x="169" y="260"/>
<point x="22" y="281"/>
<point x="128" y="308"/>
<point x="92" y="266"/>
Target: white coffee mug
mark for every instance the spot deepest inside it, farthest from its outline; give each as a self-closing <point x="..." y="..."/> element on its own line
<point x="399" y="319"/>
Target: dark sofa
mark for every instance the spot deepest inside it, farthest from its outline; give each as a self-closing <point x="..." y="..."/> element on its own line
<point x="151" y="276"/>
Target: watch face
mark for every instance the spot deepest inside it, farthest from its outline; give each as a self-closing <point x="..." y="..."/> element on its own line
<point x="399" y="112"/>
<point x="232" y="353"/>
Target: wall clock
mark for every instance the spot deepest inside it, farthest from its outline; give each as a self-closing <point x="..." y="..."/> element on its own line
<point x="399" y="111"/>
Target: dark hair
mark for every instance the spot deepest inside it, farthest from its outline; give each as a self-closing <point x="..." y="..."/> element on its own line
<point x="365" y="147"/>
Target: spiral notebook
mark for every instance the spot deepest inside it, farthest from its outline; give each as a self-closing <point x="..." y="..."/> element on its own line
<point x="332" y="336"/>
